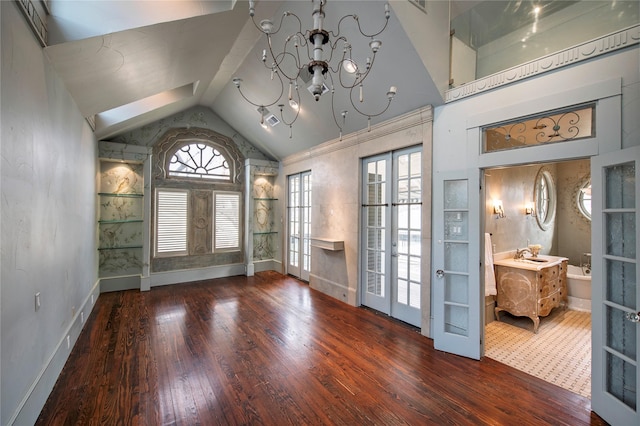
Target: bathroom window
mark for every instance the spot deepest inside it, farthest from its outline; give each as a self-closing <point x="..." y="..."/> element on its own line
<point x="545" y="198"/>
<point x="584" y="199"/>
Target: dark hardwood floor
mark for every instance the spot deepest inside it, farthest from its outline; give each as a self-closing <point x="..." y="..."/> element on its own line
<point x="269" y="350"/>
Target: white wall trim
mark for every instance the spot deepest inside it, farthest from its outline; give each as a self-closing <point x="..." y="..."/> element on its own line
<point x="29" y="408"/>
<point x="570" y="56"/>
<point x="397" y="124"/>
<point x="198" y="274"/>
<point x="267" y="265"/>
<point x="535" y="105"/>
<point x="605" y="93"/>
<point x="334" y="289"/>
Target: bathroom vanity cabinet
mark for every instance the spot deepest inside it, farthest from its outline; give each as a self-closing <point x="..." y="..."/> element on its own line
<point x="531" y="288"/>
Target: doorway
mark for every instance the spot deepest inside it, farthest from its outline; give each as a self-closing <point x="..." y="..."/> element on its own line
<point x="556" y="219"/>
<point x="391" y="234"/>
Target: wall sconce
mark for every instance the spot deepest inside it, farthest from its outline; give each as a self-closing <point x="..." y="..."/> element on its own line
<point x="529" y="209"/>
<point x="498" y="209"/>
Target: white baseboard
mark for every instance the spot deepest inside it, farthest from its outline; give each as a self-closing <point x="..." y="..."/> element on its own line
<point x="199" y="274"/>
<point x="336" y="290"/>
<point x="35" y="398"/>
<point x="267" y="265"/>
<point x="130" y="282"/>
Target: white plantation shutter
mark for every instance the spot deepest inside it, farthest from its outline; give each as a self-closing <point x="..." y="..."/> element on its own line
<point x="171" y="229"/>
<point x="227" y="220"/>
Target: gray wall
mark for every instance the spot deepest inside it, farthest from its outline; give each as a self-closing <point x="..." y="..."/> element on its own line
<point x="336" y="185"/>
<point x="572" y="228"/>
<point x="514" y="186"/>
<point x="48" y="221"/>
<point x="570" y="233"/>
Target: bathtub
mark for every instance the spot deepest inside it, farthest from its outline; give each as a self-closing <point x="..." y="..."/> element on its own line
<point x="579" y="288"/>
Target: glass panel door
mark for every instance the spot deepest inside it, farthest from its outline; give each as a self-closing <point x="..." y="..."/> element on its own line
<point x="407" y="236"/>
<point x="456" y="282"/>
<point x="305" y="217"/>
<point x="392" y="234"/>
<point x="616" y="299"/>
<point x="299" y="226"/>
<point x="376" y="221"/>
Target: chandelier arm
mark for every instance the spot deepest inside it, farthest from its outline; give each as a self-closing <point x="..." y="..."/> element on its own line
<point x="355" y="18"/>
<point x="284" y="15"/>
<point x="333" y="113"/>
<point x="277" y="60"/>
<point x="362" y="77"/>
<point x="333" y="109"/>
<point x="384" y="27"/>
<point x="364" y="113"/>
<point x="267" y="104"/>
<point x="333" y="46"/>
<point x="297" y="112"/>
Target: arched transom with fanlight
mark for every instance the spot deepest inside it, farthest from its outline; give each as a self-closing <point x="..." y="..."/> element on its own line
<point x="199" y="160"/>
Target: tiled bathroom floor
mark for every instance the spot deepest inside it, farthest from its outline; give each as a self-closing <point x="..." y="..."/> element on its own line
<point x="560" y="353"/>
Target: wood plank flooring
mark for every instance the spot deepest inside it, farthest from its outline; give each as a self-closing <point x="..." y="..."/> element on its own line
<point x="269" y="350"/>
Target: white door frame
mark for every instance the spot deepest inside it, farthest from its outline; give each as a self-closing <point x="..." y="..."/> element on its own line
<point x="605" y="95"/>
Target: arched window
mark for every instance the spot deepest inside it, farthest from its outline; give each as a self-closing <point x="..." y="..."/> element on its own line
<point x="545" y="198"/>
<point x="584" y="199"/>
<point x="200" y="161"/>
<point x="198" y="197"/>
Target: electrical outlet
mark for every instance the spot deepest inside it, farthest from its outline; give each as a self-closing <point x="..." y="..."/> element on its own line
<point x="37" y="301"/>
<point x="68" y="342"/>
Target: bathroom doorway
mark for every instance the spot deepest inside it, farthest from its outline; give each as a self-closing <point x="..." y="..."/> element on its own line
<point x="546" y="204"/>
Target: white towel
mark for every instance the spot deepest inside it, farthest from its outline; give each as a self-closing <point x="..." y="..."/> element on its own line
<point x="489" y="276"/>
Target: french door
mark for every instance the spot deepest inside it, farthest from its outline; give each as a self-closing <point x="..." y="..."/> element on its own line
<point x="299" y="225"/>
<point x="615" y="270"/>
<point x="456" y="278"/>
<point x="392" y="234"/>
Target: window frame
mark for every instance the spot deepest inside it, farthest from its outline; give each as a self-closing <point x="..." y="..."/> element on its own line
<point x="580" y="197"/>
<point x="213" y="178"/>
<point x="157" y="252"/>
<point x="214" y="233"/>
<point x="550" y="201"/>
<point x="201" y="252"/>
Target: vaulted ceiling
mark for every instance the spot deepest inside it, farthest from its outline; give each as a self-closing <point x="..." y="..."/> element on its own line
<point x="130" y="63"/>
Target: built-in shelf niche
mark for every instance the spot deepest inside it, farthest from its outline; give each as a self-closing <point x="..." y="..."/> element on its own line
<point x="263" y="228"/>
<point x="120" y="220"/>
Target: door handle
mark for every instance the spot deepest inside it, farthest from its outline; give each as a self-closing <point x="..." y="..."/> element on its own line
<point x="633" y="316"/>
<point x="440" y="273"/>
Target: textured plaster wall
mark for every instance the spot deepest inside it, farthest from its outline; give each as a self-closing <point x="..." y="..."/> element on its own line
<point x="197" y="116"/>
<point x="48" y="214"/>
<point x="573" y="229"/>
<point x="335" y="169"/>
<point x="570" y="233"/>
<point x="514" y="186"/>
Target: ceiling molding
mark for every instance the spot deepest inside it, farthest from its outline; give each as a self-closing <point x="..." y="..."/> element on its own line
<point x="570" y="56"/>
<point x="398" y="124"/>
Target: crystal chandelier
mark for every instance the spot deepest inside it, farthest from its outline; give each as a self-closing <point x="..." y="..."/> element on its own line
<point x="309" y="56"/>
